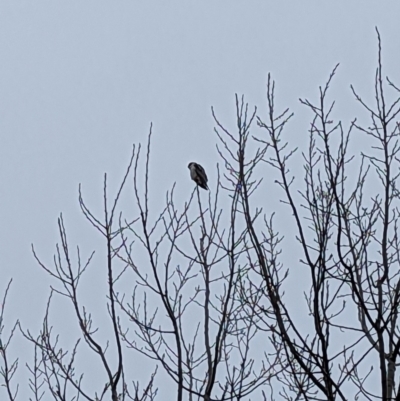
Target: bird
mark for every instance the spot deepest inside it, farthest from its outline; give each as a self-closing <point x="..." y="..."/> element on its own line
<point x="198" y="175"/>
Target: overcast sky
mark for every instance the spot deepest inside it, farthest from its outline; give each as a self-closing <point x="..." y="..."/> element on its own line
<point x="80" y="82"/>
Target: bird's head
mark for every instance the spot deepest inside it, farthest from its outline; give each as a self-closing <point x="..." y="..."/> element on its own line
<point x="190" y="165"/>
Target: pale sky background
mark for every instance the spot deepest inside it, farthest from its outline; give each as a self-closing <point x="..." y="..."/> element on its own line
<point x="80" y="82"/>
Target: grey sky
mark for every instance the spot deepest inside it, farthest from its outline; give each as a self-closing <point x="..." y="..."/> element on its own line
<point x="80" y="81"/>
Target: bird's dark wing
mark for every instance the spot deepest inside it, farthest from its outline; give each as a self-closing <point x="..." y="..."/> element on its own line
<point x="201" y="173"/>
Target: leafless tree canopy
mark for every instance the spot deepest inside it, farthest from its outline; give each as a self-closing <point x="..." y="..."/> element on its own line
<point x="213" y="297"/>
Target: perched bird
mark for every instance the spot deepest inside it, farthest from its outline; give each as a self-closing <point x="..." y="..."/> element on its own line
<point x="198" y="175"/>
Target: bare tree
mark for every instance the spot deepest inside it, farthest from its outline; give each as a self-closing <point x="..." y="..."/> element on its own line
<point x="55" y="366"/>
<point x="202" y="290"/>
<point x="193" y="273"/>
<point x="346" y="221"/>
<point x="8" y="367"/>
